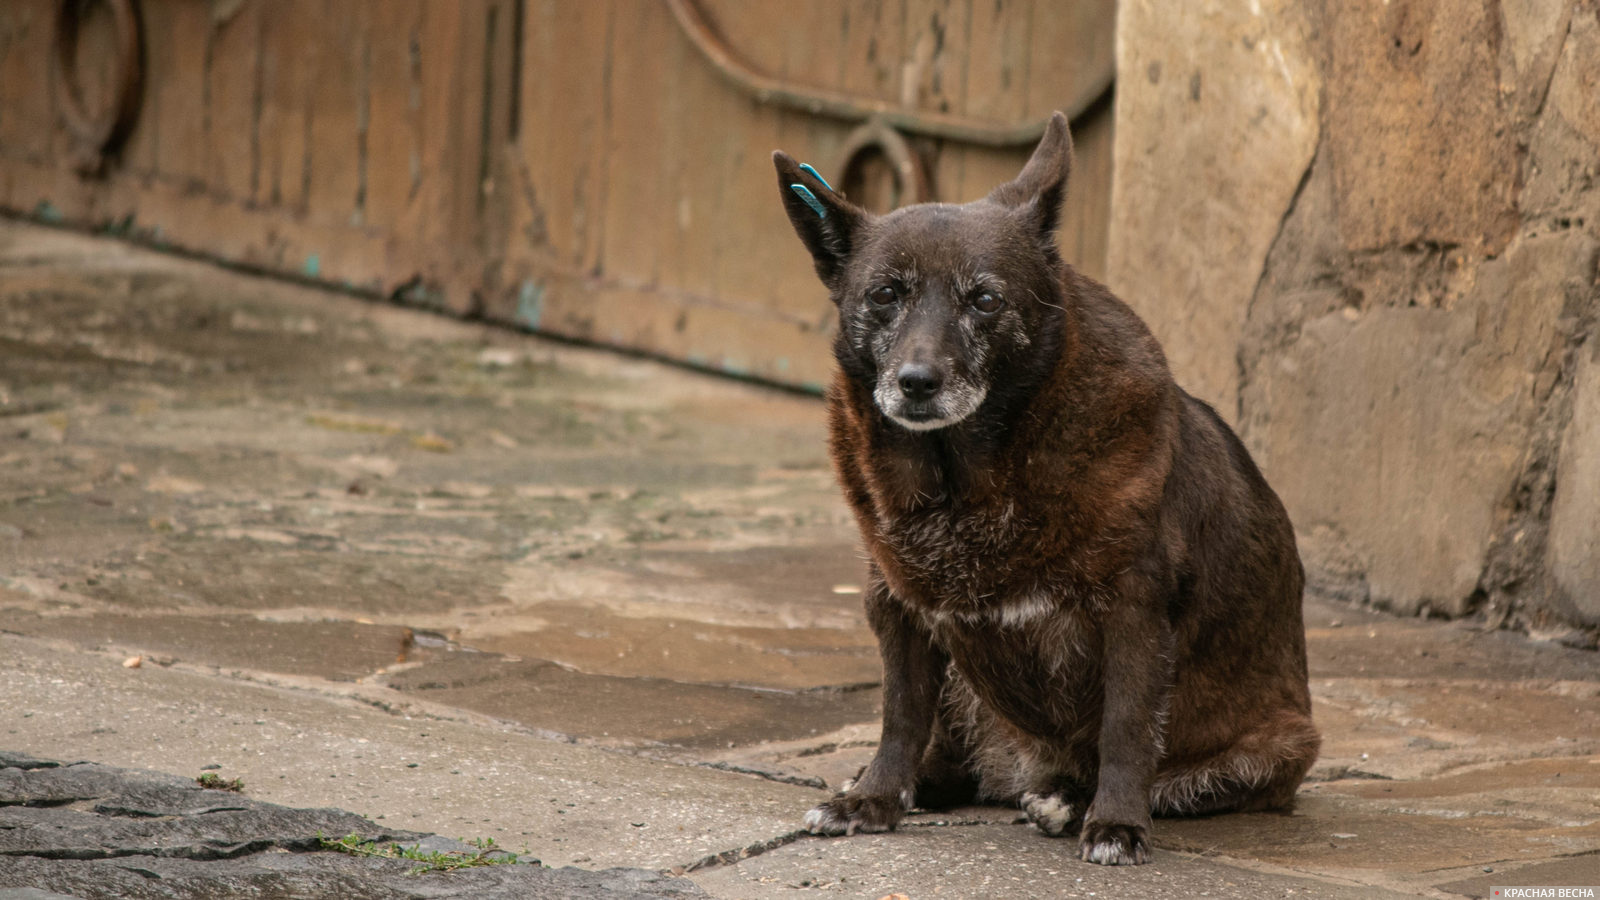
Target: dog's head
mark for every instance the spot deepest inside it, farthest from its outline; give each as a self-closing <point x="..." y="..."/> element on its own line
<point x="942" y="307"/>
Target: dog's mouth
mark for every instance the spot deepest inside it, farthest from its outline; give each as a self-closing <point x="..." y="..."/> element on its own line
<point x="950" y="406"/>
<point x="920" y="415"/>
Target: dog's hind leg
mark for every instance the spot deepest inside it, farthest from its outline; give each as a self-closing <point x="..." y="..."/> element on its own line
<point x="1260" y="771"/>
<point x="945" y="777"/>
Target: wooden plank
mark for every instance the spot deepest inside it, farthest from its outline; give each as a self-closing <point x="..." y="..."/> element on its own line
<point x="1069" y="43"/>
<point x="497" y="190"/>
<point x="984" y="169"/>
<point x="340" y="64"/>
<point x="635" y="202"/>
<point x="812" y="55"/>
<point x="678" y="145"/>
<point x="756" y="33"/>
<point x="937" y="34"/>
<point x="871" y="38"/>
<point x="232" y="90"/>
<point x="451" y="84"/>
<point x="27" y="113"/>
<point x="637" y="208"/>
<point x="178" y="35"/>
<point x="1086" y="218"/>
<point x="712" y="122"/>
<point x="394" y="106"/>
<point x="562" y="134"/>
<point x="142" y="150"/>
<point x="283" y="124"/>
<point x="739" y="341"/>
<point x="997" y="90"/>
<point x="999" y="53"/>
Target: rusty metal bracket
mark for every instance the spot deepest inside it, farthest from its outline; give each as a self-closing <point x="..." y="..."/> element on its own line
<point x="910" y="176"/>
<point x="766" y="89"/>
<point x="96" y="134"/>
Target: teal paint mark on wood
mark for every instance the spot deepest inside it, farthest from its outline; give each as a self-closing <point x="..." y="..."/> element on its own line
<point x="530" y="304"/>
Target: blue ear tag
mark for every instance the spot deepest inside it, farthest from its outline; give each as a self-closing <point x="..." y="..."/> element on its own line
<point x="813" y="172"/>
<point x="804" y="193"/>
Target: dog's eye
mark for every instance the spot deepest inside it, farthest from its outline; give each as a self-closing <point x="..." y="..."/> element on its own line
<point x="883" y="296"/>
<point x="987" y="302"/>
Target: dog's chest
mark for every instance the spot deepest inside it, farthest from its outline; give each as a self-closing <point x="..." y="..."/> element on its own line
<point x="959" y="558"/>
<point x="1034" y="663"/>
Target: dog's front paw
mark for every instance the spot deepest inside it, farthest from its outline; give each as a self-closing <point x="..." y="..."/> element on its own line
<point x="1115" y="845"/>
<point x="850" y="813"/>
<point x="1052" y="814"/>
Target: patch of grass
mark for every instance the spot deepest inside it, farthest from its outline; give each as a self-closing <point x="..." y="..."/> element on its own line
<point x="211" y="781"/>
<point x="485" y="853"/>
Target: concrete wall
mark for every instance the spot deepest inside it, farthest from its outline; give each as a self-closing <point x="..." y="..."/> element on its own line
<point x="1367" y="231"/>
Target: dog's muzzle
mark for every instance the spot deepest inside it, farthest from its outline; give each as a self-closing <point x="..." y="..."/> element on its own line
<point x="920" y="397"/>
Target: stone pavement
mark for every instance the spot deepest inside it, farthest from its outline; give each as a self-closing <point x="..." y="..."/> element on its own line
<point x="466" y="582"/>
<point x="83" y="830"/>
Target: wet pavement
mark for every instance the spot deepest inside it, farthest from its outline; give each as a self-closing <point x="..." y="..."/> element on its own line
<point x="473" y="583"/>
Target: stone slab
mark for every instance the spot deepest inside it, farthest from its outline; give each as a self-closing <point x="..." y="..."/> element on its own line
<point x="1410" y="167"/>
<point x="1394" y="432"/>
<point x="1575" y="516"/>
<point x="981" y="860"/>
<point x="94" y="832"/>
<point x="413" y="768"/>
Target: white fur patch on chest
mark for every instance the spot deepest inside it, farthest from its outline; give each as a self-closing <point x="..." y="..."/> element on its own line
<point x="1016" y="612"/>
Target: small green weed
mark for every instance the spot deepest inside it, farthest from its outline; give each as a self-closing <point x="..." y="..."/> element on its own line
<point x="211" y="781"/>
<point x="486" y="853"/>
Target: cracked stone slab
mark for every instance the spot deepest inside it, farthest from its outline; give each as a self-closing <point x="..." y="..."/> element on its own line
<point x="421" y="770"/>
<point x="994" y="860"/>
<point x="87" y="831"/>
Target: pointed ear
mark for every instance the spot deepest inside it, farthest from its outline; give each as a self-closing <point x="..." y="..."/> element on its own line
<point x="826" y="222"/>
<point x="1042" y="185"/>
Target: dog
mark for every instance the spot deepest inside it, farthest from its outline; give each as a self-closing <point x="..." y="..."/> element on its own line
<point x="1086" y="596"/>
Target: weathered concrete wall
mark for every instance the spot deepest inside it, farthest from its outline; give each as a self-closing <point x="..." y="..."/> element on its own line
<point x="1225" y="93"/>
<point x="1575" y="516"/>
<point x="1374" y="249"/>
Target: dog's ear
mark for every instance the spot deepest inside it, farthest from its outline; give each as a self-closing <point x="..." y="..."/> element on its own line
<point x="826" y="222"/>
<point x="1041" y="187"/>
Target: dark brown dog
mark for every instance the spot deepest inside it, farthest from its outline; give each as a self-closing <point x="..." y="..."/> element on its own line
<point x="1086" y="596"/>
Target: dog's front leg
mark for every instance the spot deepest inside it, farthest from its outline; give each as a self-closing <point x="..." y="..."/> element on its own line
<point x="1116" y="828"/>
<point x="913" y="675"/>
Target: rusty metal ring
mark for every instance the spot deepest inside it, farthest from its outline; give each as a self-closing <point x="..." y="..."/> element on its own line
<point x="97" y="133"/>
<point x="910" y="178"/>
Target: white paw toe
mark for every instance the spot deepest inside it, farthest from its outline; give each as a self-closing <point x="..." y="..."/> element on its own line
<point x="1110" y="853"/>
<point x="1049" y="812"/>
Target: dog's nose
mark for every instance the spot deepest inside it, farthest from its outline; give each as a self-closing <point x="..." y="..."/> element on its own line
<point x="919" y="381"/>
